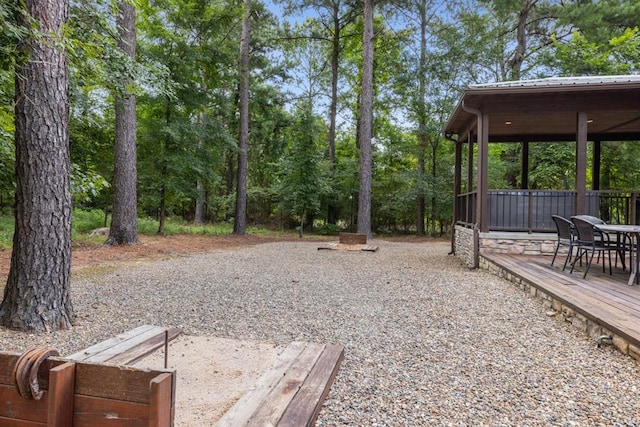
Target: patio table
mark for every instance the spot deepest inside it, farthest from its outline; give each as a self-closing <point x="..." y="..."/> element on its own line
<point x="633" y="231"/>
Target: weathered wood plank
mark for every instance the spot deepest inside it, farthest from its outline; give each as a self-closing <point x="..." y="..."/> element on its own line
<point x="161" y="405"/>
<point x="144" y="349"/>
<point x="308" y="402"/>
<point x="114" y="382"/>
<point x="244" y="408"/>
<point x="10" y="422"/>
<point x="12" y="405"/>
<point x="276" y="401"/>
<point x="98" y="348"/>
<point x="61" y="388"/>
<point x="127" y="347"/>
<point x="94" y="411"/>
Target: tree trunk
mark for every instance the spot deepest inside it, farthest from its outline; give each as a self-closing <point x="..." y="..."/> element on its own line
<point x="515" y="62"/>
<point x="240" y="222"/>
<point x="366" y="118"/>
<point x="423" y="138"/>
<point x="332" y="210"/>
<point x="200" y="198"/>
<point x="420" y="199"/>
<point x="124" y="224"/>
<point x="162" y="215"/>
<point x="37" y="294"/>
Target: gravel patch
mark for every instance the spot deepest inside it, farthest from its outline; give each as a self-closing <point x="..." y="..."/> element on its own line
<point x="428" y="342"/>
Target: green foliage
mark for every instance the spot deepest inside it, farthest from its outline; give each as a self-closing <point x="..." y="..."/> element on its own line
<point x="87" y="185"/>
<point x="7" y="224"/>
<point x="176" y="225"/>
<point x="552" y="166"/>
<point x="84" y="221"/>
<point x="302" y="174"/>
<point x="582" y="56"/>
<point x="326" y="229"/>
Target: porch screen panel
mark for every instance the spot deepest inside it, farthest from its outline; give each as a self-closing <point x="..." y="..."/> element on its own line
<point x="508" y="210"/>
<point x="528" y="210"/>
<point x="548" y="203"/>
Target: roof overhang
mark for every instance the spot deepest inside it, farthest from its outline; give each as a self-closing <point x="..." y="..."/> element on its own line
<point x="546" y="109"/>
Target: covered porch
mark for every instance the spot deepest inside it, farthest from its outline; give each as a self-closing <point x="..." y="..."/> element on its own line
<point x="580" y="110"/>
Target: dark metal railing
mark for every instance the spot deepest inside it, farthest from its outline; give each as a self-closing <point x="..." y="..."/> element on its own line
<point x="531" y="210"/>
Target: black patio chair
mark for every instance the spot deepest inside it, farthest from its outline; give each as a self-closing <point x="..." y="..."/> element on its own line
<point x="589" y="241"/>
<point x="622" y="243"/>
<point x="566" y="237"/>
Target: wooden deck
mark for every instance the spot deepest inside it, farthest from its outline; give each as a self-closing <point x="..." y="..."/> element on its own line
<point x="608" y="304"/>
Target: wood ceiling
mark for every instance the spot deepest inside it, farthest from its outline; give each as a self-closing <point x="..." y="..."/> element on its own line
<point x="537" y="113"/>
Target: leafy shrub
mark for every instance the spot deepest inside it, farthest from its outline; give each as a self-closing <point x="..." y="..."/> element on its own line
<point x="327" y="229"/>
<point x="84" y="221"/>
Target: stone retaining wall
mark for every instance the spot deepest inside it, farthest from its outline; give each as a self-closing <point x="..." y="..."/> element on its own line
<point x="463" y="245"/>
<point x="504" y="243"/>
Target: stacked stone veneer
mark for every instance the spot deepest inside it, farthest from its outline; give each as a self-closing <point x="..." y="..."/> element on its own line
<point x="463" y="245"/>
<point x="504" y="243"/>
<point x="581" y="320"/>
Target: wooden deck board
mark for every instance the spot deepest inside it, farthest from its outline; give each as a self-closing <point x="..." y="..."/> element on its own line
<point x="292" y="392"/>
<point x="128" y="347"/>
<point x="607" y="300"/>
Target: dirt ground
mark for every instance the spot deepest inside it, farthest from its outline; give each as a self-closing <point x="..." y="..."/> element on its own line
<point x="87" y="255"/>
<point x="96" y="255"/>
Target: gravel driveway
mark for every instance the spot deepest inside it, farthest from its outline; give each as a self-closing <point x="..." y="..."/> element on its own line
<point x="428" y="342"/>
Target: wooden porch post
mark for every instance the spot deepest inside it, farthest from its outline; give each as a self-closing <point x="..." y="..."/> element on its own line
<point x="597" y="158"/>
<point x="581" y="164"/>
<point x="457" y="186"/>
<point x="525" y="166"/>
<point x="469" y="175"/>
<point x="483" y="173"/>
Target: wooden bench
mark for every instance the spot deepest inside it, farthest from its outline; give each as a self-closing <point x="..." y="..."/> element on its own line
<point x="292" y="392"/>
<point x="128" y="347"/>
<point x="86" y="389"/>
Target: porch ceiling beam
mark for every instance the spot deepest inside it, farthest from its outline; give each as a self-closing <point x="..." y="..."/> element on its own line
<point x="624" y="136"/>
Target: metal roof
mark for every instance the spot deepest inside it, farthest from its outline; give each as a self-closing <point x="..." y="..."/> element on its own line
<point x="561" y="82"/>
<point x="545" y="109"/>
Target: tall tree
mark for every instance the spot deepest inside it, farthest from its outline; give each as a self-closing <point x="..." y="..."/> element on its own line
<point x="240" y="221"/>
<point x="366" y="119"/>
<point x="302" y="175"/>
<point x="37" y="293"/>
<point x="124" y="224"/>
<point x="423" y="137"/>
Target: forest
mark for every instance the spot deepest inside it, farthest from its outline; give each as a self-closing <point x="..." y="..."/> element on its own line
<point x="296" y="68"/>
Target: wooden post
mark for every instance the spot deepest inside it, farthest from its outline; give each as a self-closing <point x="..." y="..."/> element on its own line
<point x="483" y="172"/>
<point x="457" y="186"/>
<point x="581" y="164"/>
<point x="470" y="187"/>
<point x="595" y="170"/>
<point x="524" y="185"/>
<point x="61" y="390"/>
<point x="161" y="402"/>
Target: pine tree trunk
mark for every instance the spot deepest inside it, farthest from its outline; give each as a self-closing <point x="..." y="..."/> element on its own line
<point x="240" y="222"/>
<point x="332" y="209"/>
<point x="423" y="138"/>
<point x="124" y="224"/>
<point x="37" y="293"/>
<point x="200" y="199"/>
<point x="366" y="117"/>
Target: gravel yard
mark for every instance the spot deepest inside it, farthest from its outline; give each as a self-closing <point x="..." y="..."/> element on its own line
<point x="428" y="342"/>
